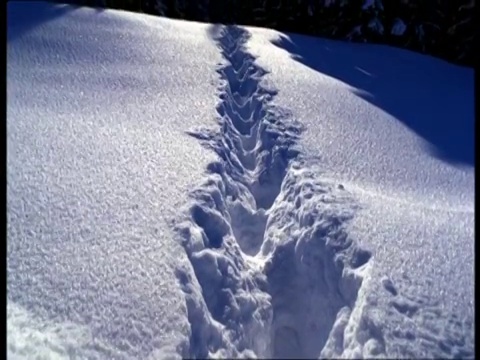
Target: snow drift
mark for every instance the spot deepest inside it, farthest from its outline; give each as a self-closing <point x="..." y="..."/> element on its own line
<point x="184" y="190"/>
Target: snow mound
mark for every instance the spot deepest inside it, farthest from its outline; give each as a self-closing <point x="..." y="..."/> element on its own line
<point x="313" y="223"/>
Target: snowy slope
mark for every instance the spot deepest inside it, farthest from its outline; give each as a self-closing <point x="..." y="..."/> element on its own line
<point x="396" y="130"/>
<point x="98" y="164"/>
<point x="193" y="190"/>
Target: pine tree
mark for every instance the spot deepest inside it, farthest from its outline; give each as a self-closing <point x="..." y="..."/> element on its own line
<point x="158" y="7"/>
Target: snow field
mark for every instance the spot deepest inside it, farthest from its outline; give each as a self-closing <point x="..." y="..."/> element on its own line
<point x="332" y="221"/>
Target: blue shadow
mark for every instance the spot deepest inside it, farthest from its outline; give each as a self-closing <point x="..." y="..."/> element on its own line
<point x="23" y="16"/>
<point x="433" y="98"/>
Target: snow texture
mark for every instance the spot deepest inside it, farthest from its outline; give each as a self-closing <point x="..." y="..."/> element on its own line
<point x="185" y="190"/>
<point x="98" y="164"/>
<point x="261" y="228"/>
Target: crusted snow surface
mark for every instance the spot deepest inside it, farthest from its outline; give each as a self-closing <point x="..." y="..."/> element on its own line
<point x="189" y="190"/>
<point x="98" y="164"/>
<point x="384" y="123"/>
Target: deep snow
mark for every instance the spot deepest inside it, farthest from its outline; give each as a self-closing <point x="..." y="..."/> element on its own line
<point x="178" y="189"/>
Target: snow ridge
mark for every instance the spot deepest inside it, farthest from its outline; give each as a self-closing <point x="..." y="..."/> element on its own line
<point x="272" y="269"/>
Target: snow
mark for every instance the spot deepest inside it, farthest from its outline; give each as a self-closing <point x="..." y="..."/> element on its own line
<point x="368" y="4"/>
<point x="376" y="25"/>
<point x="178" y="189"/>
<point x="398" y="28"/>
<point x="98" y="163"/>
<point x="401" y="141"/>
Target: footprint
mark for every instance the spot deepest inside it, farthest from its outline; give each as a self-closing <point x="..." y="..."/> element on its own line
<point x="212" y="223"/>
<point x="388" y="285"/>
<point x="405" y="307"/>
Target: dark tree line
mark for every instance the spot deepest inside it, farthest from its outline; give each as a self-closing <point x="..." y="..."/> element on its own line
<point x="443" y="28"/>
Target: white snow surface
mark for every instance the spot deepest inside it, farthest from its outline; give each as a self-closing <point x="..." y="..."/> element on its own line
<point x="177" y="189"/>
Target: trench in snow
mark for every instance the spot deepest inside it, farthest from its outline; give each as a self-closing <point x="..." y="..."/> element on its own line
<point x="273" y="266"/>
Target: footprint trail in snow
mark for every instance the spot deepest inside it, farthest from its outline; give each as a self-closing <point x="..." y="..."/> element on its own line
<point x="275" y="273"/>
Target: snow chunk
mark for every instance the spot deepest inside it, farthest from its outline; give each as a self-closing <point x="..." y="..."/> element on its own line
<point x="398" y="27"/>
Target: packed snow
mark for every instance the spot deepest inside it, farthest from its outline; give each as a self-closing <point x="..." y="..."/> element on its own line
<point x="187" y="190"/>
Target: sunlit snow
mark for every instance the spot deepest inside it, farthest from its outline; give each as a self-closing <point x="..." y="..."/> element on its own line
<point x="187" y="190"/>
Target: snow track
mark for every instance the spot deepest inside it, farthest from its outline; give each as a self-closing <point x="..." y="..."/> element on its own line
<point x="275" y="272"/>
<point x="128" y="240"/>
